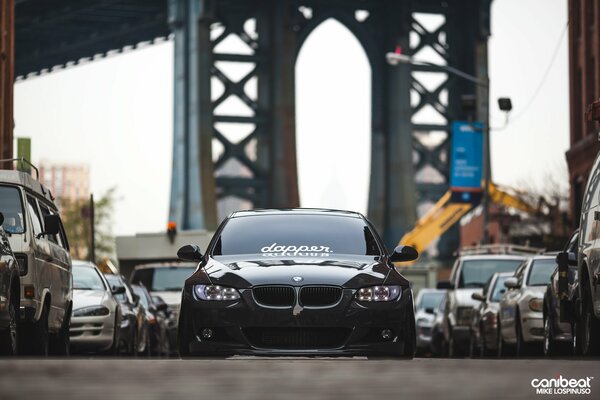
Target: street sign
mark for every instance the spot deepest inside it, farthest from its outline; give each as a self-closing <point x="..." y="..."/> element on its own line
<point x="466" y="158"/>
<point x="24" y="151"/>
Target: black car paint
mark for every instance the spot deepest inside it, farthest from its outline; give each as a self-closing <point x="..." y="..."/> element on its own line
<point x="364" y="321"/>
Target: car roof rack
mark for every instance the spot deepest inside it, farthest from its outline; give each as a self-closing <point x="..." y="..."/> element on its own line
<point x="23" y="160"/>
<point x="500" y="249"/>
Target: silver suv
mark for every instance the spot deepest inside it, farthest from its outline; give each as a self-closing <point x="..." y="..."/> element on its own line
<point x="469" y="274"/>
<point x="39" y="242"/>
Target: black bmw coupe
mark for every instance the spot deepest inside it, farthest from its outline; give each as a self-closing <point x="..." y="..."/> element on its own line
<point x="300" y="281"/>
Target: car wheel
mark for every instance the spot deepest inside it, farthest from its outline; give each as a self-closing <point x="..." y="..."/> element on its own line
<point x="483" y="348"/>
<point x="60" y="343"/>
<point x="503" y="347"/>
<point x="36" y="336"/>
<point x="473" y="351"/>
<point x="9" y="337"/>
<point x="520" y="346"/>
<point x="590" y="327"/>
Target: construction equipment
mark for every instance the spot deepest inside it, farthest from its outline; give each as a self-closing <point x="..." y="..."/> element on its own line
<point x="447" y="212"/>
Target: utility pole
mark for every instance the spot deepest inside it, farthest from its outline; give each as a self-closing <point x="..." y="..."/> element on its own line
<point x="7" y="78"/>
<point x="92" y="230"/>
<point x="483" y="115"/>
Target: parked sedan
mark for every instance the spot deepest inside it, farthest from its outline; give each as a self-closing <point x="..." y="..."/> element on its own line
<point x="134" y="329"/>
<point x="428" y="301"/>
<point x="485" y="321"/>
<point x="302" y="281"/>
<point x="96" y="313"/>
<point x="157" y="321"/>
<point x="561" y="304"/>
<point x="521" y="318"/>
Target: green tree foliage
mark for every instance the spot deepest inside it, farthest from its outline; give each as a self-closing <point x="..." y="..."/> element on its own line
<point x="76" y="219"/>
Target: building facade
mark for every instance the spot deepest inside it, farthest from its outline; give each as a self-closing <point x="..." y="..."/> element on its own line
<point x="70" y="182"/>
<point x="584" y="83"/>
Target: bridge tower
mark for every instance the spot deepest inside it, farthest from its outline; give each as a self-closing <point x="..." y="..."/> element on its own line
<point x="409" y="160"/>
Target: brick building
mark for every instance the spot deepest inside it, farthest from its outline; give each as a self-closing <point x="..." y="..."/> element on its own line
<point x="71" y="182"/>
<point x="584" y="82"/>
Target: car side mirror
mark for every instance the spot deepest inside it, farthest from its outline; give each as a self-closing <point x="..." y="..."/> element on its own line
<point x="429" y="310"/>
<point x="445" y="285"/>
<point x="403" y="254"/>
<point x="511" y="283"/>
<point x="189" y="252"/>
<point x="51" y="225"/>
<point x="478" y="296"/>
<point x="118" y="289"/>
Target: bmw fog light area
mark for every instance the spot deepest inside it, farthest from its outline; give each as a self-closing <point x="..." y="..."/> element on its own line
<point x="379" y="293"/>
<point x="94" y="311"/>
<point x="216" y="293"/>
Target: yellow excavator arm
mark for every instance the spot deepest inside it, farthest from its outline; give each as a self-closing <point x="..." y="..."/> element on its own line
<point x="446" y="213"/>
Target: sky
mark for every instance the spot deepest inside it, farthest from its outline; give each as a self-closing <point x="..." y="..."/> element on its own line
<point x="115" y="114"/>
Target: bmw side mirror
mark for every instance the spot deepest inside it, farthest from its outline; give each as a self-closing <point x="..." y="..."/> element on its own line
<point x="511" y="283"/>
<point x="403" y="254"/>
<point x="51" y="225"/>
<point x="118" y="289"/>
<point x="189" y="252"/>
<point x="445" y="285"/>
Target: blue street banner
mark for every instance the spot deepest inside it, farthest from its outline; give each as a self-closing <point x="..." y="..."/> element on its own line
<point x="466" y="156"/>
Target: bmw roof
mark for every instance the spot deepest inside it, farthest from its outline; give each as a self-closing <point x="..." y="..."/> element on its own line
<point x="297" y="211"/>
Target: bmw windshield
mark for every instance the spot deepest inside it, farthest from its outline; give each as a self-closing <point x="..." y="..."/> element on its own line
<point x="296" y="235"/>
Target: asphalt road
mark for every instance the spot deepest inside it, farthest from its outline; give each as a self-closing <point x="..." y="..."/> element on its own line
<point x="285" y="378"/>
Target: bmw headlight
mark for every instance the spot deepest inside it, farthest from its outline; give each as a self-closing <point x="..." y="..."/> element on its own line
<point x="379" y="293"/>
<point x="93" y="311"/>
<point x="215" y="292"/>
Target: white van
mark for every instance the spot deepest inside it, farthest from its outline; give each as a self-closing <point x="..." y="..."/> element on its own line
<point x="38" y="240"/>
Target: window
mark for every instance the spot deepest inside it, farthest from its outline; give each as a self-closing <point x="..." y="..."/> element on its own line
<point x="34" y="213"/>
<point x="85" y="278"/>
<point x="540" y="271"/>
<point x="294" y="235"/>
<point x="165" y="279"/>
<point x="46" y="211"/>
<point x="499" y="289"/>
<point x="11" y="207"/>
<point x="475" y="273"/>
<point x="431" y="300"/>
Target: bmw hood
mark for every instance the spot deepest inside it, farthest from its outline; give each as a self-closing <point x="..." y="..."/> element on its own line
<point x="247" y="271"/>
<point x="87" y="298"/>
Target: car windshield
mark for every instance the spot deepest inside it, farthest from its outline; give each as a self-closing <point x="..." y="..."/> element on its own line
<point x="499" y="289"/>
<point x="11" y="207"/>
<point x="540" y="271"/>
<point x="475" y="273"/>
<point x="141" y="294"/>
<point x="85" y="278"/>
<point x="431" y="300"/>
<point x="163" y="279"/>
<point x="295" y="235"/>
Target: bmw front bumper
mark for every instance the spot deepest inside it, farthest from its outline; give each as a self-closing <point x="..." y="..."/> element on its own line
<point x="346" y="328"/>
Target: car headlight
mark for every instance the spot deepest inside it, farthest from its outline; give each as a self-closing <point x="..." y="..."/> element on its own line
<point x="379" y="293"/>
<point x="536" y="304"/>
<point x="93" y="311"/>
<point x="216" y="292"/>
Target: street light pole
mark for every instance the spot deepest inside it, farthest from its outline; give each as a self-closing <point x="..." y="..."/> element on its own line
<point x="483" y="111"/>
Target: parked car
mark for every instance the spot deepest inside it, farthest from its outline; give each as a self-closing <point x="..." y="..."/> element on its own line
<point x="560" y="305"/>
<point x="588" y="267"/>
<point x="157" y="321"/>
<point x="96" y="319"/>
<point x="484" y="328"/>
<point x="438" y="345"/>
<point x="301" y="281"/>
<point x="428" y="301"/>
<point x="38" y="240"/>
<point x="10" y="287"/>
<point x="469" y="274"/>
<point x="521" y="307"/>
<point x="166" y="281"/>
<point x="134" y="328"/>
